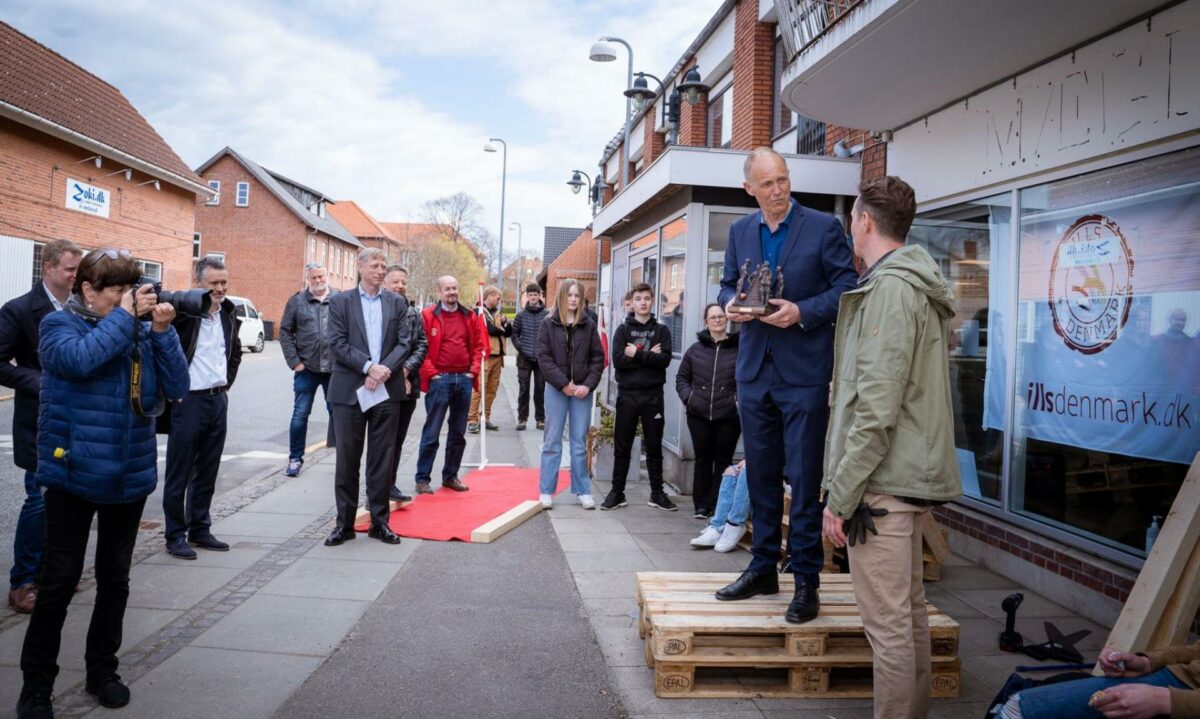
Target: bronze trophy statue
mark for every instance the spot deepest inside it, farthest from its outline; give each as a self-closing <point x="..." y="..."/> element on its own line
<point x="755" y="288"/>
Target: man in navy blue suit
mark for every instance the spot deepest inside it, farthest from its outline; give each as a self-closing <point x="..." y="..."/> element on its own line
<point x="785" y="362"/>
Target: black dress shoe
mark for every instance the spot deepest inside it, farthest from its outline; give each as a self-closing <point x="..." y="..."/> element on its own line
<point x="750" y="584"/>
<point x="805" y="603"/>
<point x="209" y="542"/>
<point x="383" y="534"/>
<point x="109" y="689"/>
<point x="339" y="535"/>
<point x="397" y="496"/>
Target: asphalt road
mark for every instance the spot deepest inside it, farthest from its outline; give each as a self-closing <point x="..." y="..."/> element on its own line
<point x="257" y="442"/>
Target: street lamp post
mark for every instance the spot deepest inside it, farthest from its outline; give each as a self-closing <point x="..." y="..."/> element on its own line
<point x="603" y="52"/>
<point x="520" y="267"/>
<point x="490" y="147"/>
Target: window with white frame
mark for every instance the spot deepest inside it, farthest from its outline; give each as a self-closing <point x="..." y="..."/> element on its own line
<point x="152" y="270"/>
<point x="215" y="200"/>
<point x="195" y="245"/>
<point x="219" y="255"/>
<point x="243" y="194"/>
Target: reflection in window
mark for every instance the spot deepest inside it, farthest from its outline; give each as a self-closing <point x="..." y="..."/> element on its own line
<point x="671" y="294"/>
<point x="966" y="241"/>
<point x="1107" y="392"/>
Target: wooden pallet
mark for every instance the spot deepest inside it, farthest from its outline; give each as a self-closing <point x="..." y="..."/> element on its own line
<point x="701" y="647"/>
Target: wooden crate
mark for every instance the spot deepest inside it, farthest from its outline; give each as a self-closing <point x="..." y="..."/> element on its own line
<point x="694" y="642"/>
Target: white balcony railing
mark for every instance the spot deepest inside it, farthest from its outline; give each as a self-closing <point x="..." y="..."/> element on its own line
<point x="802" y="21"/>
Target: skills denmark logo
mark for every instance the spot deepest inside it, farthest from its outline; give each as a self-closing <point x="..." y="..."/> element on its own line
<point x="1091" y="284"/>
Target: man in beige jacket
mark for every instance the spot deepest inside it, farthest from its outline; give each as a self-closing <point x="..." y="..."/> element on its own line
<point x="889" y="450"/>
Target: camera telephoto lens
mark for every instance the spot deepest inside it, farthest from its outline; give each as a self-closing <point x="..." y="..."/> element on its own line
<point x="189" y="303"/>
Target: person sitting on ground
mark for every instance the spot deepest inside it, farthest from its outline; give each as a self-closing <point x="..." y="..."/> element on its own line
<point x="1160" y="682"/>
<point x="728" y="523"/>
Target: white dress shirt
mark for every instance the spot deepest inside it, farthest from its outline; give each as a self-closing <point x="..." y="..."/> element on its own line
<point x="209" y="363"/>
<point x="53" y="300"/>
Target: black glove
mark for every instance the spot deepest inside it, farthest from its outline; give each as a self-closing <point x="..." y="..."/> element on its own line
<point x="861" y="521"/>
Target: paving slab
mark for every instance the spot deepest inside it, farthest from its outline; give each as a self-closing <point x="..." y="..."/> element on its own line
<point x="333" y="579"/>
<point x="243" y="552"/>
<point x="594" y="585"/>
<point x="169" y="586"/>
<point x="598" y="542"/>
<point x="285" y="625"/>
<point x="605" y="523"/>
<point x="988" y="601"/>
<point x="973" y="577"/>
<point x="139" y="624"/>
<point x="308" y="498"/>
<point x="365" y="549"/>
<point x="204" y="682"/>
<point x="631" y="560"/>
<point x="262" y="524"/>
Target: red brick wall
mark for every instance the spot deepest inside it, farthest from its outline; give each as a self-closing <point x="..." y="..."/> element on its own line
<point x="653" y="142"/>
<point x="266" y="246"/>
<point x="753" y="77"/>
<point x="577" y="261"/>
<point x="874" y="156"/>
<point x="693" y="119"/>
<point x="153" y="225"/>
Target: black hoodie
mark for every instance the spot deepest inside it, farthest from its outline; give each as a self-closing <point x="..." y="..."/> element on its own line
<point x="645" y="370"/>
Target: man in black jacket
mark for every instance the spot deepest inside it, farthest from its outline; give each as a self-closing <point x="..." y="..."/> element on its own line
<point x="641" y="352"/>
<point x="396" y="280"/>
<point x="368" y="352"/>
<point x="304" y="338"/>
<point x="525" y="334"/>
<point x="197" y="425"/>
<point x="19" y="323"/>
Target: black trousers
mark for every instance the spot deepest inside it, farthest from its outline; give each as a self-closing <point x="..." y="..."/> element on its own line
<point x="646" y="407"/>
<point x="527" y="370"/>
<point x="404" y="413"/>
<point x="68" y="521"/>
<point x="377" y="429"/>
<point x="194" y="448"/>
<point x="714" y="442"/>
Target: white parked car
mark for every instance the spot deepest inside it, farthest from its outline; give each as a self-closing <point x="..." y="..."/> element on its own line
<point x="251" y="332"/>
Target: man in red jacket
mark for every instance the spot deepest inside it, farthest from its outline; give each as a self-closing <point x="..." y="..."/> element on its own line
<point x="457" y="342"/>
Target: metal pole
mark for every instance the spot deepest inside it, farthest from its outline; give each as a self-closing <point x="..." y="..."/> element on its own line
<point x="628" y="111"/>
<point x="503" y="187"/>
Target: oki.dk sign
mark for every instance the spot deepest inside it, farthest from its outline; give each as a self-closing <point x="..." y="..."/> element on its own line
<point x="88" y="199"/>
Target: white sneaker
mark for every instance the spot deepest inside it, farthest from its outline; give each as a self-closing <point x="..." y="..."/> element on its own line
<point x="730" y="536"/>
<point x="708" y="538"/>
<point x="547" y="501"/>
<point x="586" y="501"/>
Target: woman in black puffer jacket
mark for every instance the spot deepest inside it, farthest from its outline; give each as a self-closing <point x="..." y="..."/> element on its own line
<point x="706" y="386"/>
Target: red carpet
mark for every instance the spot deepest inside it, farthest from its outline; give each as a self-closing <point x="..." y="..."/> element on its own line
<point x="446" y="515"/>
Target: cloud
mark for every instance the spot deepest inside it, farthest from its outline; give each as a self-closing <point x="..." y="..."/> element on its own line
<point x="333" y="95"/>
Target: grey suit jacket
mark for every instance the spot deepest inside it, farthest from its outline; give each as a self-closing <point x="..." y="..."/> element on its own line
<point x="350" y="350"/>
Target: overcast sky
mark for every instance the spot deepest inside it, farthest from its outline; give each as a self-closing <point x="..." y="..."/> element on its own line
<point x="388" y="103"/>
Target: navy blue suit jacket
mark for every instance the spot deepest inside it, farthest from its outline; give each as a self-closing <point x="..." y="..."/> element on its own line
<point x="818" y="267"/>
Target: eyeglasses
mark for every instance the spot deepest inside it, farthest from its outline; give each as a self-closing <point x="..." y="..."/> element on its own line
<point x="94" y="256"/>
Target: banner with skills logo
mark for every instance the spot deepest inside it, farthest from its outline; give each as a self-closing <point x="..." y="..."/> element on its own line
<point x="1109" y="305"/>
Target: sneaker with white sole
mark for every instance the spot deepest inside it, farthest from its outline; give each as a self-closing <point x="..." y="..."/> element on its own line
<point x="730" y="536"/>
<point x="547" y="501"/>
<point x="708" y="538"/>
<point x="659" y="500"/>
<point x="586" y="501"/>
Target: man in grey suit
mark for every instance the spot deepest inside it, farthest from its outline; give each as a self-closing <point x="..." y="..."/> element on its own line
<point x="368" y="349"/>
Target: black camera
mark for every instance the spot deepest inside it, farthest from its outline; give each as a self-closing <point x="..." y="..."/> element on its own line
<point x="189" y="303"/>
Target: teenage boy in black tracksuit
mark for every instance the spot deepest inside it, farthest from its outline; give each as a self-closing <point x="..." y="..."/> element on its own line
<point x="641" y="351"/>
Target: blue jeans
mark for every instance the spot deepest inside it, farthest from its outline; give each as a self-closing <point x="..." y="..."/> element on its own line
<point x="305" y="385"/>
<point x="448" y="394"/>
<point x="559" y="410"/>
<point x="1069" y="700"/>
<point x="30" y="535"/>
<point x="733" y="503"/>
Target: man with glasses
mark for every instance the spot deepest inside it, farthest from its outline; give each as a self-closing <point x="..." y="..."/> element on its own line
<point x="198" y="423"/>
<point x="304" y="337"/>
<point x="19" y="323"/>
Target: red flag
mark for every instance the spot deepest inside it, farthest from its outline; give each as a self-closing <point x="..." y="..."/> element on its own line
<point x="604" y="339"/>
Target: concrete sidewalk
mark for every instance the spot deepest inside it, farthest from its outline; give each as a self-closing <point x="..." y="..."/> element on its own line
<point x="539" y="623"/>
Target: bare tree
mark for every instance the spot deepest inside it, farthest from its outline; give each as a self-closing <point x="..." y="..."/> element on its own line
<point x="459" y="213"/>
<point x="433" y="256"/>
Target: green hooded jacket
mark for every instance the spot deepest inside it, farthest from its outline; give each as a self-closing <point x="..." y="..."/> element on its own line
<point x="891" y="425"/>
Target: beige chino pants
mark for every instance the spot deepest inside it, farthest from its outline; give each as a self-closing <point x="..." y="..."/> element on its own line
<point x="494" y="366"/>
<point x="889" y="587"/>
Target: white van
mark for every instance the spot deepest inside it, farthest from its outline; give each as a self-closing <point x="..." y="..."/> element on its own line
<point x="251" y="333"/>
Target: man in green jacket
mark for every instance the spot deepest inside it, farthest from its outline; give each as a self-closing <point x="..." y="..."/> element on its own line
<point x="889" y="450"/>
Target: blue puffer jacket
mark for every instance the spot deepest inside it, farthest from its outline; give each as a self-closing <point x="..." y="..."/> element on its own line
<point x="112" y="453"/>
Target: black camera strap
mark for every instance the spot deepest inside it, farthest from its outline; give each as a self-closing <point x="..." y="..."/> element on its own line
<point x="135" y="379"/>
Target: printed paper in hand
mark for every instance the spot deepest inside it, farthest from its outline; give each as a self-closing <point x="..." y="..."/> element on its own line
<point x="368" y="399"/>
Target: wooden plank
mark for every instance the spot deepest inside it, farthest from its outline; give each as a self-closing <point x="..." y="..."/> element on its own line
<point x="935" y="542"/>
<point x="1167" y="573"/>
<point x="685" y="681"/>
<point x="1176" y="621"/>
<point x="513" y="518"/>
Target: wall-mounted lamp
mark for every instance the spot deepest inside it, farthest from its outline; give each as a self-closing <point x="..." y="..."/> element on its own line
<point x="94" y="158"/>
<point x="157" y="186"/>
<point x="841" y="149"/>
<point x="128" y="173"/>
<point x="692" y="87"/>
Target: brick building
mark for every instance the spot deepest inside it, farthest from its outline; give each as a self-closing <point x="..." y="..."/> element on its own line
<point x="670" y="225"/>
<point x="267" y="227"/>
<point x="519" y="273"/>
<point x="79" y="162"/>
<point x="1027" y="143"/>
<point x="367" y="229"/>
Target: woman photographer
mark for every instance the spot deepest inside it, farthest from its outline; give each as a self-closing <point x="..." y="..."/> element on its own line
<point x="97" y="456"/>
